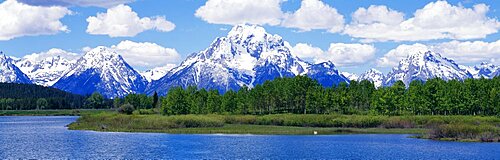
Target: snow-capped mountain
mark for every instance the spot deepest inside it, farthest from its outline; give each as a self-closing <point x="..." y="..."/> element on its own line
<point x="425" y="65"/>
<point x="10" y="73"/>
<point x="326" y="74"/>
<point x="247" y="56"/>
<point x="350" y="76"/>
<point x="484" y="69"/>
<point x="156" y="73"/>
<point x="496" y="73"/>
<point x="44" y="72"/>
<point x="102" y="70"/>
<point x="374" y="76"/>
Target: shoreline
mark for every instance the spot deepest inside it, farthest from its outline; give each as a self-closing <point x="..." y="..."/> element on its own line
<point x="282" y="124"/>
<point x="423" y="127"/>
<point x="55" y="112"/>
<point x="262" y="130"/>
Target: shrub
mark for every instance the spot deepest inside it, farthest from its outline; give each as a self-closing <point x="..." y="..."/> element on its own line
<point x="240" y="119"/>
<point x="193" y="121"/>
<point x="396" y="122"/>
<point x="126" y="109"/>
<point x="465" y="132"/>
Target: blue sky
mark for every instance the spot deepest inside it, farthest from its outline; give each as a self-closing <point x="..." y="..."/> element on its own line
<point x="193" y="33"/>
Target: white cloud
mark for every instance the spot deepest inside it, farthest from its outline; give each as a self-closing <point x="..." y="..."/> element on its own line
<point x="461" y="52"/>
<point x="342" y="54"/>
<point x="234" y="12"/>
<point x="121" y="21"/>
<point x="470" y="51"/>
<point x="146" y="55"/>
<point x="84" y="3"/>
<point x="306" y="51"/>
<point x="20" y="19"/>
<point x="377" y="14"/>
<point x="437" y="20"/>
<point x="314" y="14"/>
<point x="52" y="53"/>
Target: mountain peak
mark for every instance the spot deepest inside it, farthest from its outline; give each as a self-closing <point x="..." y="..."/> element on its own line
<point x="426" y="65"/>
<point x="373" y="75"/>
<point x="3" y="56"/>
<point x="373" y="70"/>
<point x="10" y="73"/>
<point x="247" y="56"/>
<point x="253" y="35"/>
<point x="101" y="51"/>
<point x="244" y="29"/>
<point x="103" y="70"/>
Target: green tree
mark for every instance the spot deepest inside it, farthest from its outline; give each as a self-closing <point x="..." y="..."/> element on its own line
<point x="155" y="100"/>
<point x="175" y="102"/>
<point x="213" y="102"/>
<point x="96" y="101"/>
<point x="41" y="103"/>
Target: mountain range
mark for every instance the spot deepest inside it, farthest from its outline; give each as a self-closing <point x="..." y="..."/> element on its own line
<point x="247" y="56"/>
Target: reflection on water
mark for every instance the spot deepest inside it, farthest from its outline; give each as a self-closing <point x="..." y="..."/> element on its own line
<point x="47" y="138"/>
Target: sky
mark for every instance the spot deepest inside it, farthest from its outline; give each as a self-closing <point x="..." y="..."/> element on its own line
<point x="354" y="34"/>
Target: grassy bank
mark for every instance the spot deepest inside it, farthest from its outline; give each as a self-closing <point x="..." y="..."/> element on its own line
<point x="62" y="112"/>
<point x="464" y="133"/>
<point x="433" y="127"/>
<point x="206" y="124"/>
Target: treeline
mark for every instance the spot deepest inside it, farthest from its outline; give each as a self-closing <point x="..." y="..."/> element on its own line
<point x="29" y="96"/>
<point x="303" y="95"/>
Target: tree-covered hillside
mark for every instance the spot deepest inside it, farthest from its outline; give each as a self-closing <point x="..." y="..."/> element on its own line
<point x="29" y="96"/>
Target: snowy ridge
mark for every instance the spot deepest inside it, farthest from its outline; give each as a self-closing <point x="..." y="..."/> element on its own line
<point x="483" y="70"/>
<point x="156" y="73"/>
<point x="102" y="70"/>
<point x="44" y="72"/>
<point x="247" y="56"/>
<point x="374" y="76"/>
<point x="350" y="76"/>
<point x="423" y="66"/>
<point x="10" y="73"/>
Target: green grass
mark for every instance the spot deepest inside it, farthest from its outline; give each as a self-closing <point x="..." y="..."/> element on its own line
<point x="210" y="124"/>
<point x="464" y="132"/>
<point x="456" y="128"/>
<point x="62" y="112"/>
<point x="288" y="130"/>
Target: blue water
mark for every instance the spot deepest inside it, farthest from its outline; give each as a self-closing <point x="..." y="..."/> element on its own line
<point x="48" y="138"/>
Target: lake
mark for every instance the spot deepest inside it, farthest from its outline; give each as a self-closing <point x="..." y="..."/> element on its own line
<point x="48" y="138"/>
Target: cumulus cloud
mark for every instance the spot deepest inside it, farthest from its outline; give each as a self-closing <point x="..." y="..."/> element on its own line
<point x="470" y="51"/>
<point x="306" y="51"/>
<point x="234" y="12"/>
<point x="121" y="21"/>
<point x="84" y="3"/>
<point x="146" y="55"/>
<point x="342" y="54"/>
<point x="314" y="14"/>
<point x="52" y="53"/>
<point x="437" y="20"/>
<point x="377" y="14"/>
<point x="20" y="19"/>
<point x="461" y="52"/>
